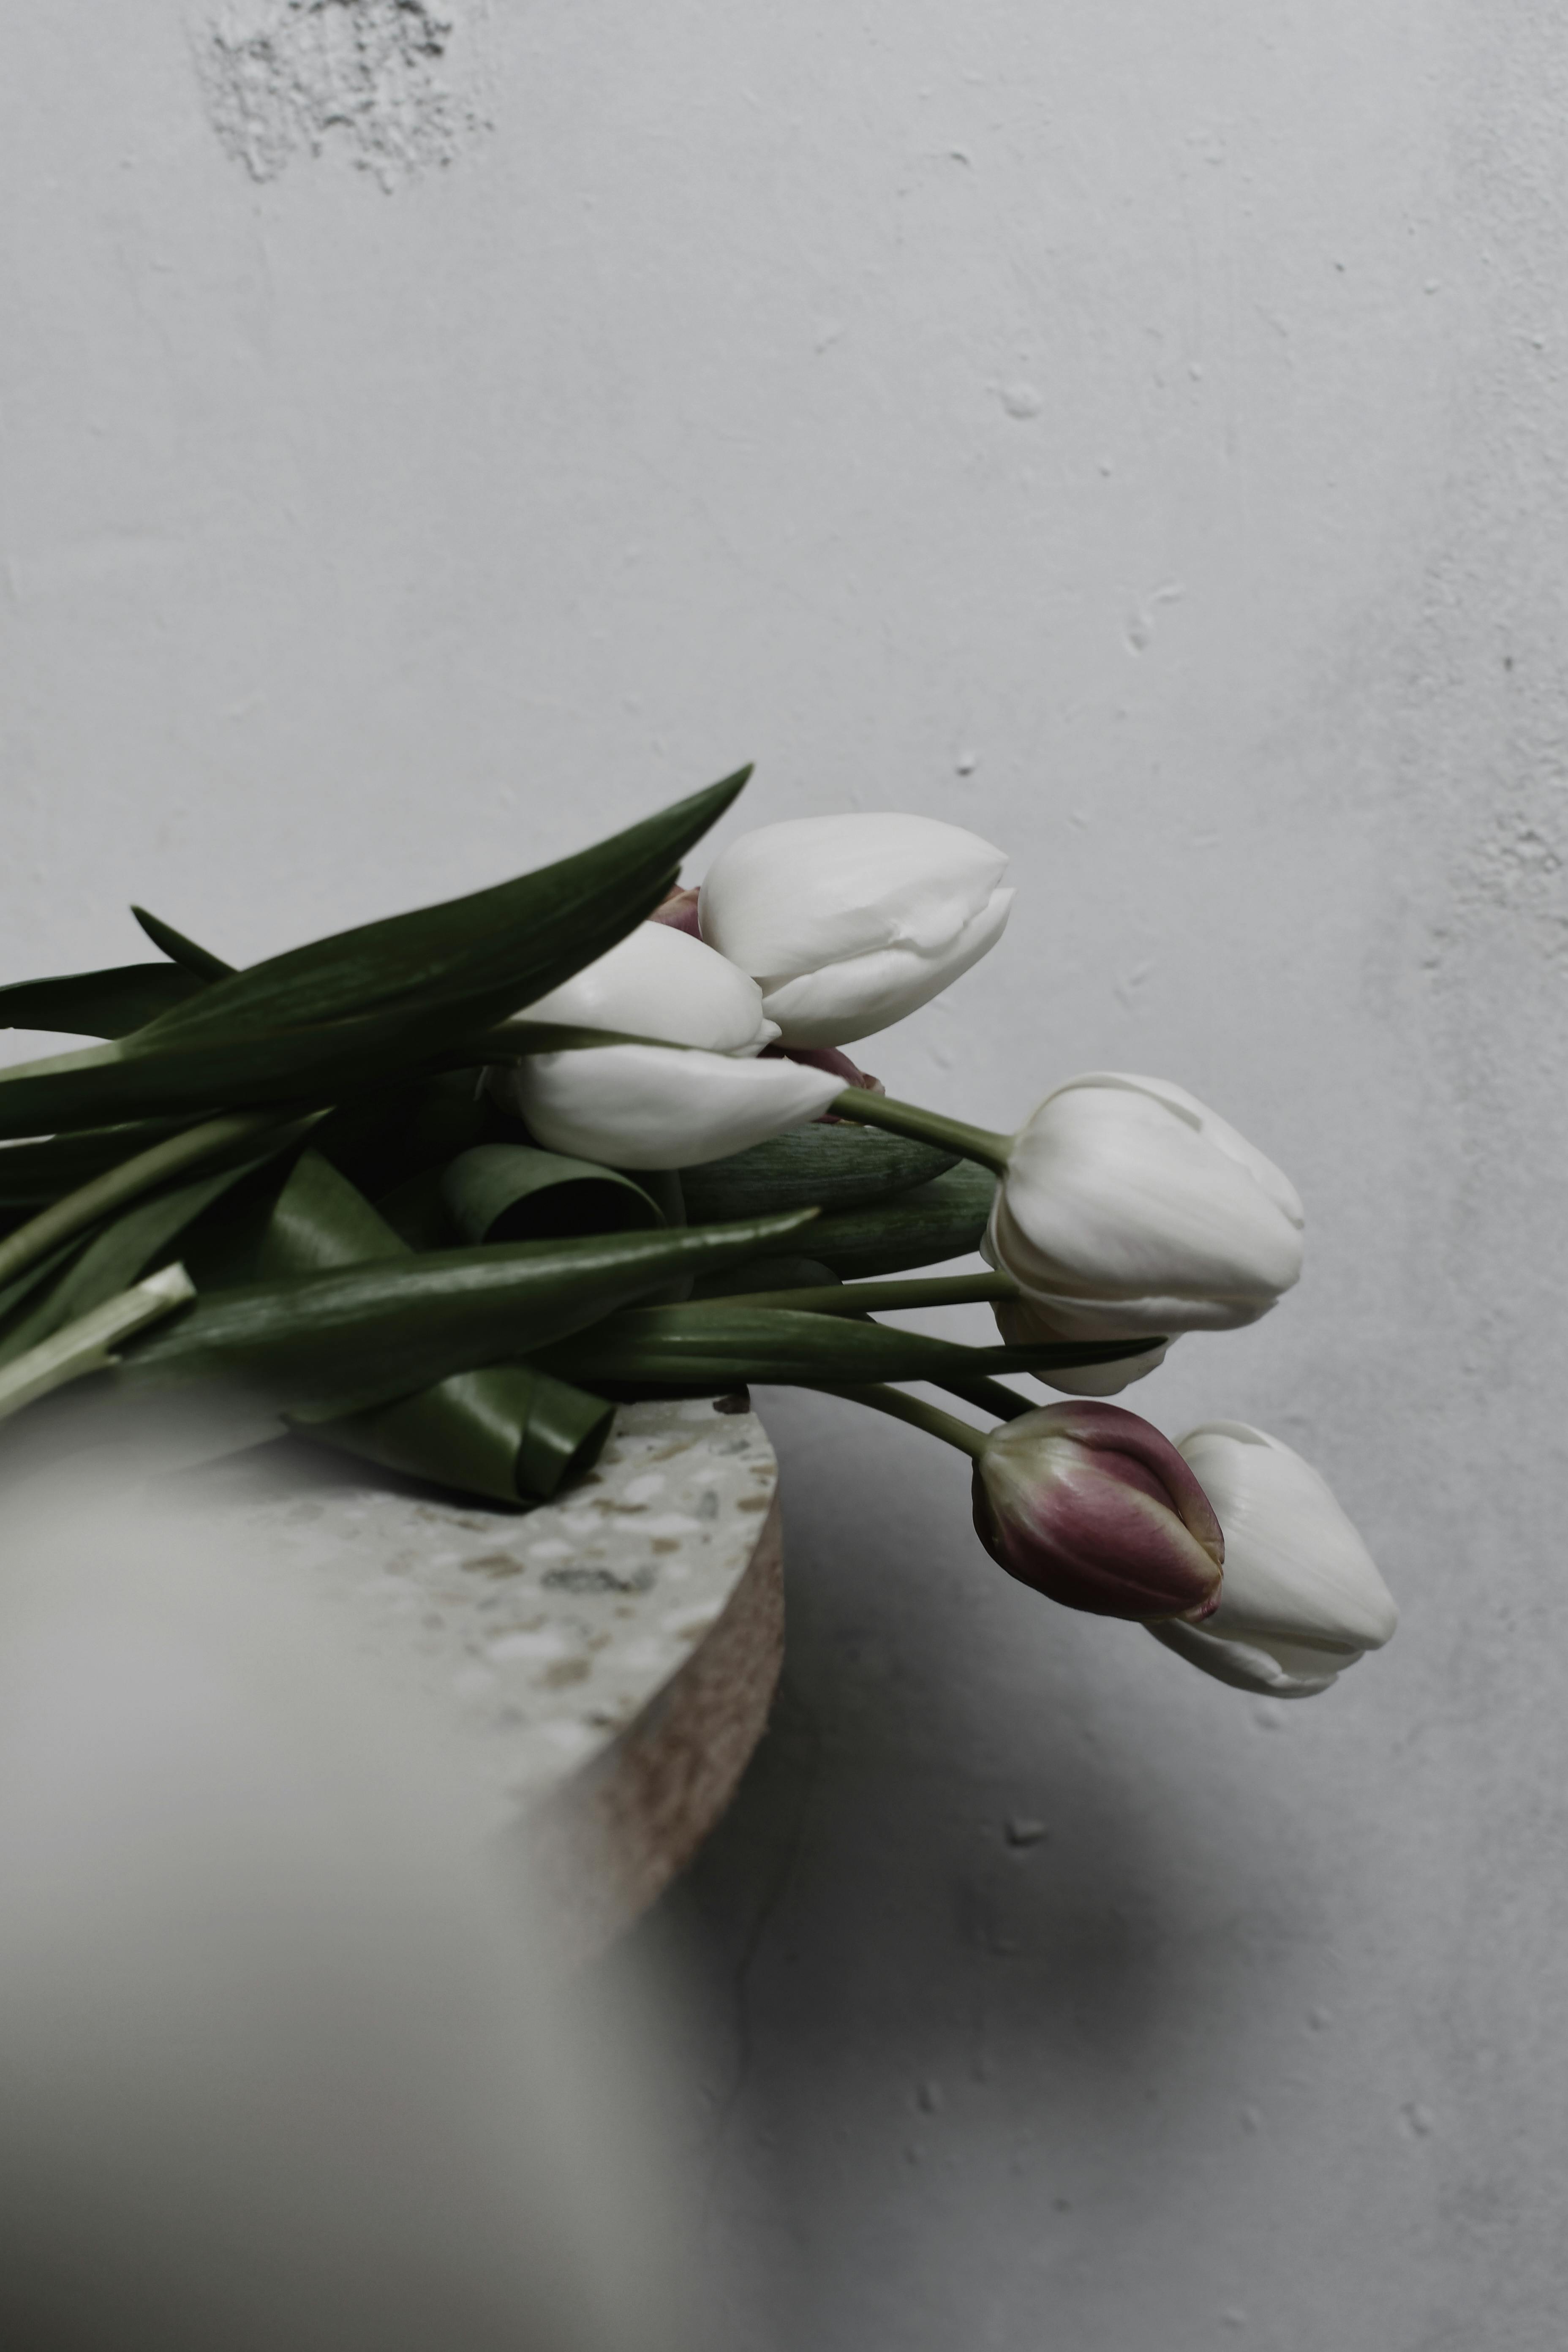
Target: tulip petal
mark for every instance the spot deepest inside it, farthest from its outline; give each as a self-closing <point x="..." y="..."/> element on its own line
<point x="789" y="897"/>
<point x="658" y="982"/>
<point x="1129" y="1207"/>
<point x="656" y="1106"/>
<point x="1273" y="1673"/>
<point x="1295" y="1568"/>
<point x="1021" y="1323"/>
<point x="851" y="921"/>
<point x="855" y="998"/>
<point x="1094" y="1508"/>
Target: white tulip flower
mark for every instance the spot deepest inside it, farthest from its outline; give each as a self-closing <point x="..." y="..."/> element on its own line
<point x="656" y="1106"/>
<point x="1021" y="1326"/>
<point x="1302" y="1598"/>
<point x="851" y="922"/>
<point x="1129" y="1207"/>
<point x="659" y="982"/>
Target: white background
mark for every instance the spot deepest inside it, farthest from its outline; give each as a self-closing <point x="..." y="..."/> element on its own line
<point x="1138" y="434"/>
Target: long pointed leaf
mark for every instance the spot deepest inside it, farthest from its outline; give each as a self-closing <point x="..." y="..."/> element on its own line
<point x="198" y="961"/>
<point x="40" y="1171"/>
<point x="338" y="1342"/>
<point x="469" y="960"/>
<point x="113" y="1259"/>
<point x="944" y="1219"/>
<point x="236" y="1140"/>
<point x="678" y="1346"/>
<point x="340" y="1015"/>
<point x="832" y="1167"/>
<point x="109" y="1004"/>
<point x="507" y="1430"/>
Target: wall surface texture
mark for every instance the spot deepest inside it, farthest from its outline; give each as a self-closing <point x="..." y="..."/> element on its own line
<point x="435" y="435"/>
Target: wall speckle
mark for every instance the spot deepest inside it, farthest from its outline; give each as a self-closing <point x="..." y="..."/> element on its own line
<point x="280" y="76"/>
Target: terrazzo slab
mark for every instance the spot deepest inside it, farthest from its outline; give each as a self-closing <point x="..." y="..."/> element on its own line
<point x="602" y="1663"/>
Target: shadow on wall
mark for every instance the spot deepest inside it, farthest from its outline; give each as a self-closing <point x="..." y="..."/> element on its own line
<point x="945" y="1926"/>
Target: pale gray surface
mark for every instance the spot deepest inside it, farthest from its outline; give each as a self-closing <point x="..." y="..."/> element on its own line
<point x="532" y="1639"/>
<point x="1139" y="434"/>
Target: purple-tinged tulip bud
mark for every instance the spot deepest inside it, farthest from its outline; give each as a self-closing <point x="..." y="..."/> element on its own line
<point x="1094" y="1508"/>
<point x="839" y="1065"/>
<point x="678" y="909"/>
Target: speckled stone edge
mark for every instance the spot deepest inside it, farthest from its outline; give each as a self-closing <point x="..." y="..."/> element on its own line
<point x="606" y="1843"/>
<point x="600" y="1666"/>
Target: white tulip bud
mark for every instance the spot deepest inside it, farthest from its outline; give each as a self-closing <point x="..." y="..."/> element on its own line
<point x="656" y="1106"/>
<point x="659" y="982"/>
<point x="1128" y="1206"/>
<point x="851" y="922"/>
<point x="1022" y="1326"/>
<point x="1302" y="1598"/>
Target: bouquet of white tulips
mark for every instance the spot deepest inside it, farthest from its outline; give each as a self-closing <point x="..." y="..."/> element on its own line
<point x="439" y="1192"/>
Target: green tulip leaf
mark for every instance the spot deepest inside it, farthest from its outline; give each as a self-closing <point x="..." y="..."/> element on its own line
<point x="944" y="1219"/>
<point x="719" y="1347"/>
<point x="33" y="1172"/>
<point x="198" y="961"/>
<point x="382" y="1139"/>
<point x="513" y="1192"/>
<point x="109" y="1003"/>
<point x="507" y="1431"/>
<point x="766" y="1274"/>
<point x="832" y="1167"/>
<point x="318" y="1345"/>
<point x="26" y="1283"/>
<point x="340" y="1015"/>
<point x="115" y="1257"/>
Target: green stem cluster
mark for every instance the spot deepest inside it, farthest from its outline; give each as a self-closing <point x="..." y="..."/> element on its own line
<point x="917" y="1413"/>
<point x="64" y="1219"/>
<point x="980" y="1143"/>
<point x="877" y="1297"/>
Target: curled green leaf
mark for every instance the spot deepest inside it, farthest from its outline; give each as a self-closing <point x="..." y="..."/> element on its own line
<point x="512" y="1192"/>
<point x="506" y="1431"/>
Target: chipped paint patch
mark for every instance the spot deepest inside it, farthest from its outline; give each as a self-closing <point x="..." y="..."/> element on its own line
<point x="383" y="78"/>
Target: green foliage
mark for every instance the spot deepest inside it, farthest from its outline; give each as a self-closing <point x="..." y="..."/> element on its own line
<point x="721" y="1347"/>
<point x="31" y="1172"/>
<point x="511" y="1192"/>
<point x="506" y="1431"/>
<point x="198" y="961"/>
<point x="341" y="1014"/>
<point x="945" y="1218"/>
<point x="421" y="1285"/>
<point x="97" y="1003"/>
<point x="832" y="1167"/>
<point x="318" y="1345"/>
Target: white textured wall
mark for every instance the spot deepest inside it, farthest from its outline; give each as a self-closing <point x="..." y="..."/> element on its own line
<point x="1141" y="434"/>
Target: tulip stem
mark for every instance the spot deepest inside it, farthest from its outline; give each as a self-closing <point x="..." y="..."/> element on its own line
<point x="75" y="1211"/>
<point x="874" y="1298"/>
<point x="991" y="1396"/>
<point x="916" y="1412"/>
<point x="925" y="1126"/>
